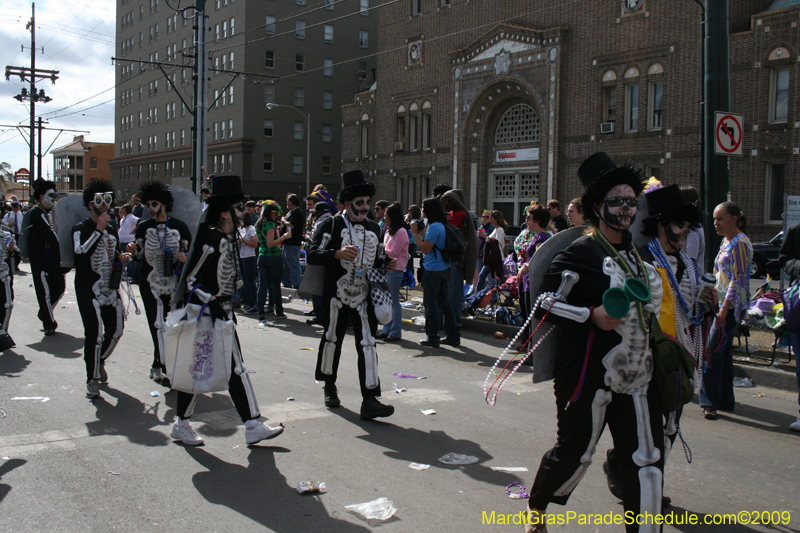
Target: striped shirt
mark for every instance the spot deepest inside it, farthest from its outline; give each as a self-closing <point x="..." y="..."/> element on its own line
<point x="262" y="231"/>
<point x="732" y="270"/>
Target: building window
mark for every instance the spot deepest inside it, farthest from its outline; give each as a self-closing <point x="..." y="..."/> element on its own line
<point x="299" y="62"/>
<point x="92" y="162"/>
<point x="610" y="104"/>
<point x="426" y="131"/>
<point x="773" y="204"/>
<point x="230" y="99"/>
<point x="232" y="30"/>
<point x="267" y="162"/>
<point x="329" y="4"/>
<point x="655" y="105"/>
<point x="301" y="2"/>
<point x="216" y="131"/>
<point x="230" y="127"/>
<point x="779" y="96"/>
<point x="183" y="167"/>
<point x="300" y="29"/>
<point x="363" y="39"/>
<point x="519" y="124"/>
<point x="231" y="58"/>
<point x="269" y="127"/>
<point x="365" y="7"/>
<point x="327" y="133"/>
<point x="299" y="96"/>
<point x="632" y="108"/>
<point x="412" y="139"/>
<point x="215" y="164"/>
<point x="400" y="131"/>
<point x="230" y="162"/>
<point x="183" y="141"/>
<point x="326" y="165"/>
<point x="297" y="164"/>
<point x="269" y="94"/>
<point x="327" y="66"/>
<point x="364" y="140"/>
<point x="327" y="99"/>
<point x="416" y="7"/>
<point x="328" y="33"/>
<point x="224" y="29"/>
<point x="299" y="128"/>
<point x="270" y="25"/>
<point x="222" y="160"/>
<point x="216" y="97"/>
<point x="269" y="59"/>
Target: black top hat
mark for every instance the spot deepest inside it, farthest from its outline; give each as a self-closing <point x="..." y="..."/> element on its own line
<point x="41" y="186"/>
<point x="595" y="167"/>
<point x="227" y="186"/>
<point x="354" y="185"/>
<point x="666" y="204"/>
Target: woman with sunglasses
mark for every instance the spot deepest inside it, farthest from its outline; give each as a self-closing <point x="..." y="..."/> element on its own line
<point x="485" y="228"/>
<point x="604" y="362"/>
<point x="270" y="262"/>
<point x="732" y="273"/>
<point x="210" y="277"/>
<point x="495" y="251"/>
<point x="99" y="261"/>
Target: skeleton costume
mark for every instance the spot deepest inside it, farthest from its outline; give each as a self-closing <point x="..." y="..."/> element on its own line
<point x="211" y="276"/>
<point x="6" y="289"/>
<point x="346" y="294"/>
<point x="45" y="254"/>
<point x="96" y="285"/>
<point x="156" y="241"/>
<point x="602" y="377"/>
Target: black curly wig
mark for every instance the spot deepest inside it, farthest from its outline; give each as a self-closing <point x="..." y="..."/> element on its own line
<point x="96" y="186"/>
<point x="158" y="191"/>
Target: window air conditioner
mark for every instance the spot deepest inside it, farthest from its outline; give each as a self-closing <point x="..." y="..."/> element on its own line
<point x="399" y="146"/>
<point x="606" y="127"/>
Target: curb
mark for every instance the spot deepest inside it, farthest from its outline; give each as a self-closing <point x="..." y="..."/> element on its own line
<point x="762" y="375"/>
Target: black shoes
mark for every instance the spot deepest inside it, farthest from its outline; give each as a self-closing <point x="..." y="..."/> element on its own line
<point x="613" y="483"/>
<point x="429" y="344"/>
<point x="449" y="342"/>
<point x="331" y="396"/>
<point x="372" y="408"/>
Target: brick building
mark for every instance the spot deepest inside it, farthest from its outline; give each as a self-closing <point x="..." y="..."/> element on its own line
<point x="505" y="99"/>
<point x="317" y="55"/>
<point x="79" y="161"/>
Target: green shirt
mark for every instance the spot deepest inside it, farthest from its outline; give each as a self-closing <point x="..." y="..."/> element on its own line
<point x="262" y="231"/>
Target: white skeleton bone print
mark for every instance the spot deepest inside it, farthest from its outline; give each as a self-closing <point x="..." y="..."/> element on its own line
<point x="154" y="255"/>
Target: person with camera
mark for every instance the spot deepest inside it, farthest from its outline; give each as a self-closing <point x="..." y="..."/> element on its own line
<point x="99" y="261"/>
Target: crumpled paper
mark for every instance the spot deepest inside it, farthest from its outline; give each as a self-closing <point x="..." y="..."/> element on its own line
<point x="418" y="466"/>
<point x="458" y="459"/>
<point x="380" y="509"/>
<point x="310" y="486"/>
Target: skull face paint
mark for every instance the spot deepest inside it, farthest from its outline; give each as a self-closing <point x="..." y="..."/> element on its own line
<point x="155" y="208"/>
<point x="619" y="217"/>
<point x="676" y="234"/>
<point x="102" y="202"/>
<point x="48" y="199"/>
<point x="357" y="209"/>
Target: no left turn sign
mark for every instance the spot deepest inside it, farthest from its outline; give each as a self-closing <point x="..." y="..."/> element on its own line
<point x="728" y="133"/>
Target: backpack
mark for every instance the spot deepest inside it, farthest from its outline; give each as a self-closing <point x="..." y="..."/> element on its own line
<point x="455" y="245"/>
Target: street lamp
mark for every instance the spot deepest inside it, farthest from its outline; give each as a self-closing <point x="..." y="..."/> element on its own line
<point x="307" y="118"/>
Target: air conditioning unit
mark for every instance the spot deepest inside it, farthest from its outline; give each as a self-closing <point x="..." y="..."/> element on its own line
<point x="399" y="146"/>
<point x="607" y="127"/>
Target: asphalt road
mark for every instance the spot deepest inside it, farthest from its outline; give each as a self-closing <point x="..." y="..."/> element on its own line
<point x="70" y="464"/>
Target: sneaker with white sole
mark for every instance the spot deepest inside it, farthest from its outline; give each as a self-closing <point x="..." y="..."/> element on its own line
<point x="93" y="389"/>
<point x="103" y="373"/>
<point x="262" y="432"/>
<point x="156" y="374"/>
<point x="795" y="426"/>
<point x="186" y="435"/>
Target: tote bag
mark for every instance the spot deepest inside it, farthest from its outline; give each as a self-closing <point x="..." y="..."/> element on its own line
<point x="380" y="295"/>
<point x="198" y="350"/>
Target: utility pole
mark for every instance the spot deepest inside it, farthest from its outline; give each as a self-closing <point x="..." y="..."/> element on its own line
<point x="33" y="73"/>
<point x="40" y="153"/>
<point x="200" y="99"/>
<point x="717" y="97"/>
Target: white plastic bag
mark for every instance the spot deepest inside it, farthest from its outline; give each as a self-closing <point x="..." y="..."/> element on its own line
<point x="380" y="509"/>
<point x="198" y="350"/>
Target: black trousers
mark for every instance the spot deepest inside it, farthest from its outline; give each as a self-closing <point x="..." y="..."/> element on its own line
<point x="347" y="315"/>
<point x="49" y="283"/>
<point x="92" y="315"/>
<point x="239" y="388"/>
<point x="574" y="435"/>
<point x="151" y="310"/>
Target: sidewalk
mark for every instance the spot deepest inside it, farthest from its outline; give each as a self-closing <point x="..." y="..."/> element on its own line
<point x="781" y="375"/>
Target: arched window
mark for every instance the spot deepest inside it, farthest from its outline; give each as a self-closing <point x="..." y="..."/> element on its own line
<point x="426" y="124"/>
<point x="520" y="124"/>
<point x="365" y="135"/>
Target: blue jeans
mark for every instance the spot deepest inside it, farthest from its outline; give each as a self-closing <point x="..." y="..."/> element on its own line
<point x="249" y="266"/>
<point x="270" y="270"/>
<point x="437" y="301"/>
<point x="484" y="274"/>
<point x="717" y="390"/>
<point x="794" y="340"/>
<point x="457" y="291"/>
<point x="395" y="327"/>
<point x="292" y="273"/>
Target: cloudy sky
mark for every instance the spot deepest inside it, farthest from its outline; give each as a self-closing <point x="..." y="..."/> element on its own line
<point x="78" y="41"/>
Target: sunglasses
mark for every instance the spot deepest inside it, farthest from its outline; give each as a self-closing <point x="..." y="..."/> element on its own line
<point x="617" y="201"/>
<point x="484" y="216"/>
<point x="101" y="198"/>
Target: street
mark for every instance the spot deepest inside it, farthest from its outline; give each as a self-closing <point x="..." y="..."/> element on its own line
<point x="71" y="464"/>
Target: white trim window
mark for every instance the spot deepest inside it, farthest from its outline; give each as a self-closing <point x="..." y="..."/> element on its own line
<point x="631" y="108"/>
<point x="269" y="127"/>
<point x="297" y="164"/>
<point x="363" y="39"/>
<point x="779" y="96"/>
<point x="328" y="33"/>
<point x="300" y="29"/>
<point x="655" y="105"/>
<point x="299" y="131"/>
<point x="269" y="25"/>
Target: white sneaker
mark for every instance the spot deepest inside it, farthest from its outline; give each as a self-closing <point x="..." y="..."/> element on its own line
<point x="795" y="426"/>
<point x="185" y="434"/>
<point x="262" y="432"/>
<point x="93" y="389"/>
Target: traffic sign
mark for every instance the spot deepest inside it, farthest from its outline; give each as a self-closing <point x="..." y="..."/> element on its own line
<point x="728" y="133"/>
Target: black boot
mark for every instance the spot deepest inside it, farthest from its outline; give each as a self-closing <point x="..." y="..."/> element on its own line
<point x="372" y="408"/>
<point x="331" y="396"/>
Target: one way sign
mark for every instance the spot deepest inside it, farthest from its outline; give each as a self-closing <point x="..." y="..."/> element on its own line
<point x="728" y="133"/>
